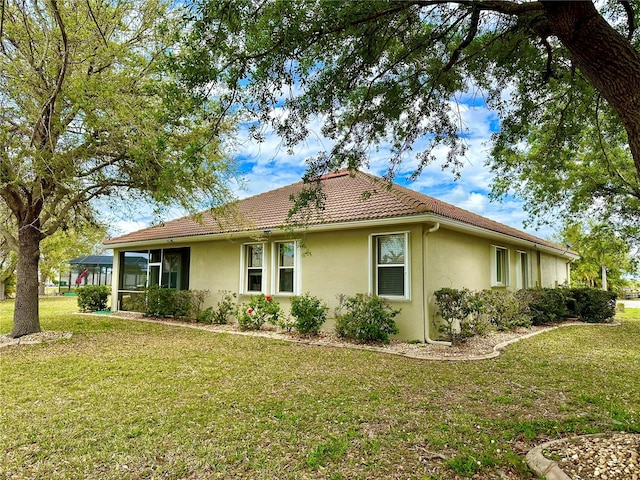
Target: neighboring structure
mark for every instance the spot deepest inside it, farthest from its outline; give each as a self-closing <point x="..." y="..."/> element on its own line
<point x="88" y="270"/>
<point x="370" y="237"/>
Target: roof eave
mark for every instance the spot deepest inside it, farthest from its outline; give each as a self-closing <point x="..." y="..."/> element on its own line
<point x="354" y="224"/>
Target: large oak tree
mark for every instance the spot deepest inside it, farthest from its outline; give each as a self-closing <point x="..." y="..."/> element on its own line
<point x="563" y="76"/>
<point x="87" y="110"/>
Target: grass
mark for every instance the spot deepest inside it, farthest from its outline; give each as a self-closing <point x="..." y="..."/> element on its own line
<point x="125" y="399"/>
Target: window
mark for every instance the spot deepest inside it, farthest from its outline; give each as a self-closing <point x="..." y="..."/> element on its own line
<point x="254" y="266"/>
<point x="522" y="274"/>
<point x="499" y="267"/>
<point x="391" y="265"/>
<point x="166" y="267"/>
<point x="285" y="267"/>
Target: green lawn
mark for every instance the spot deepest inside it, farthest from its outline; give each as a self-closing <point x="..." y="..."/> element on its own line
<point x="125" y="399"/>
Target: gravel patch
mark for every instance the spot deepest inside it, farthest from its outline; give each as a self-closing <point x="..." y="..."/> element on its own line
<point x="607" y="457"/>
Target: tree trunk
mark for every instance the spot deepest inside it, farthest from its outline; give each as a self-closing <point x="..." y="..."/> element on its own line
<point x="605" y="58"/>
<point x="26" y="318"/>
<point x="3" y="290"/>
<point x="43" y="282"/>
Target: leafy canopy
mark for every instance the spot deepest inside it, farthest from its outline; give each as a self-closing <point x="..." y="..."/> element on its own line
<point x="88" y="110"/>
<point x="397" y="73"/>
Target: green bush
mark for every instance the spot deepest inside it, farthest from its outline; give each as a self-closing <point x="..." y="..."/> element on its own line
<point x="93" y="298"/>
<point x="546" y="305"/>
<point x="592" y="305"/>
<point x="260" y="310"/>
<point x="226" y="307"/>
<point x="505" y="310"/>
<point x="168" y="302"/>
<point x="206" y="316"/>
<point x="461" y="311"/>
<point x="134" y="302"/>
<point x="366" y="318"/>
<point x="309" y="313"/>
<point x="160" y="302"/>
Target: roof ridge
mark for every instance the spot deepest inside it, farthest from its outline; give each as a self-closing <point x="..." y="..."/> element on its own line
<point x="347" y="189"/>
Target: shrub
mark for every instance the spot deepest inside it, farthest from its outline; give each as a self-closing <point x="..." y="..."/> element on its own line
<point x="160" y="302"/>
<point x="260" y="310"/>
<point x="592" y="305"/>
<point x="134" y="302"/>
<point x="226" y="307"/>
<point x="197" y="301"/>
<point x="184" y="305"/>
<point x="461" y="311"/>
<point x="168" y="302"/>
<point x="309" y="313"/>
<point x="367" y="318"/>
<point x="206" y="316"/>
<point x="92" y="298"/>
<point x="546" y="305"/>
<point x="505" y="310"/>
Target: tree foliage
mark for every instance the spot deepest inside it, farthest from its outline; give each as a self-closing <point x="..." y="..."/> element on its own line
<point x="599" y="246"/>
<point x="563" y="77"/>
<point x="88" y="110"/>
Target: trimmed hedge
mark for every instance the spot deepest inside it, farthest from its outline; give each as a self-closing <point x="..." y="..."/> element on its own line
<point x="169" y="302"/>
<point x="368" y="318"/>
<point x="592" y="305"/>
<point x="93" y="298"/>
<point x="463" y="311"/>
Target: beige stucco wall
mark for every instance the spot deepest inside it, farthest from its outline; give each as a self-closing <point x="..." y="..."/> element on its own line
<point x="340" y="262"/>
<point x="553" y="271"/>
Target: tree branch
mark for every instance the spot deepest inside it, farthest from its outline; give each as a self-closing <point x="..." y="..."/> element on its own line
<point x="471" y="34"/>
<point x="505" y="7"/>
<point x="43" y="125"/>
<point x="631" y="24"/>
<point x="12" y="242"/>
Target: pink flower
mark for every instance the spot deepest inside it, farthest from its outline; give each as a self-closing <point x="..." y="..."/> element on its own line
<point x="250" y="311"/>
<point x="268" y="298"/>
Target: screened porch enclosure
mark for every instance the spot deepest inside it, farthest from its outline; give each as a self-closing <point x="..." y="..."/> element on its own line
<point x="141" y="269"/>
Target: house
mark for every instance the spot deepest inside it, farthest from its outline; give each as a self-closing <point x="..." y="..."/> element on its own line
<point x="370" y="237"/>
<point x="89" y="270"/>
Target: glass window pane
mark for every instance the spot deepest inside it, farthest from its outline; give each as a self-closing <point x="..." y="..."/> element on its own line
<point x="156" y="256"/>
<point x="133" y="270"/>
<point x="286" y="254"/>
<point x="254" y="281"/>
<point x="285" y="282"/>
<point x="254" y="255"/>
<point x="391" y="250"/>
<point x="391" y="281"/>
<point x="154" y="275"/>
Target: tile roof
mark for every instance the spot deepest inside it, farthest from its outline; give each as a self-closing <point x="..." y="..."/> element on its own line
<point x="348" y="197"/>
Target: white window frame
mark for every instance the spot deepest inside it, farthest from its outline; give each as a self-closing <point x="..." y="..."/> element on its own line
<point x="496" y="252"/>
<point x="373" y="265"/>
<point x="522" y="281"/>
<point x="275" y="268"/>
<point x="244" y="268"/>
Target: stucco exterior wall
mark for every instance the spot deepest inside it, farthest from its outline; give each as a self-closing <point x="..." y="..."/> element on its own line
<point x="553" y="271"/>
<point x="342" y="262"/>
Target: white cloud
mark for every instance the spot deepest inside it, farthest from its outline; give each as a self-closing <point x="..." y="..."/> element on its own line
<point x="268" y="165"/>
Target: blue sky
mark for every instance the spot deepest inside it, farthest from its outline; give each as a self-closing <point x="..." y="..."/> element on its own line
<point x="268" y="165"/>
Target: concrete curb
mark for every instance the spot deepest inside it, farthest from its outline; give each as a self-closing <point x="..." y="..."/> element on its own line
<point x="542" y="466"/>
